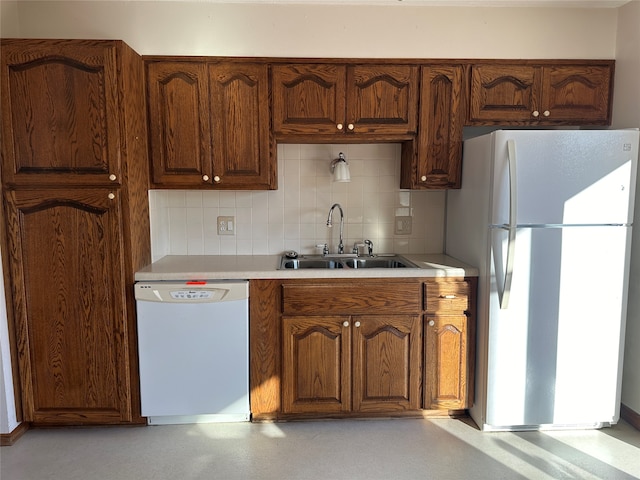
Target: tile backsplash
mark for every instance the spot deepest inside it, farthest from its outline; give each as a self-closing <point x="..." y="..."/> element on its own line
<point x="183" y="222"/>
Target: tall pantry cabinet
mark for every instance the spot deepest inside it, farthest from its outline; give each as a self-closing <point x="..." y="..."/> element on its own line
<point x="74" y="180"/>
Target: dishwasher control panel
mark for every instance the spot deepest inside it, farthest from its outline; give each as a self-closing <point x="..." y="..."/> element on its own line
<point x="191" y="294"/>
<point x="188" y="292"/>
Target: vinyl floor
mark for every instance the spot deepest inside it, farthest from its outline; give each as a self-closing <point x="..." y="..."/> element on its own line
<point x="390" y="449"/>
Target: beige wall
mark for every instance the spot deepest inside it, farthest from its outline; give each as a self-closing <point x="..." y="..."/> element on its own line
<point x="626" y="110"/>
<point x="202" y="28"/>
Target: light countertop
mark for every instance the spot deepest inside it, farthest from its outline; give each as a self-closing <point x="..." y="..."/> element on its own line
<point x="237" y="267"/>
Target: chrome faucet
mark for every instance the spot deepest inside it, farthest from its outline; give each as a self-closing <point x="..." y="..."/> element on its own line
<point x="330" y="224"/>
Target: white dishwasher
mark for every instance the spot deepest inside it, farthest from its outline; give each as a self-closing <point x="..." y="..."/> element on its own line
<point x="193" y="345"/>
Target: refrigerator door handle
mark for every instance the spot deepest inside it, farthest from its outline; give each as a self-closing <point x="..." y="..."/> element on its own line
<point x="513" y="211"/>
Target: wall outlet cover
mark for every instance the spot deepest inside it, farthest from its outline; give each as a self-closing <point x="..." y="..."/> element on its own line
<point x="403" y="225"/>
<point x="226" y="225"/>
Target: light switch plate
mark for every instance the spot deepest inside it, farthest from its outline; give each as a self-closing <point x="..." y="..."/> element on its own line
<point x="226" y="225"/>
<point x="403" y="225"/>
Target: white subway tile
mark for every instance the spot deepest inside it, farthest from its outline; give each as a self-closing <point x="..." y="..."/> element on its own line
<point x="176" y="198"/>
<point x="193" y="198"/>
<point x="244" y="246"/>
<point x="211" y="199"/>
<point x="228" y="199"/>
<point x="244" y="199"/>
<point x="294" y="216"/>
<point x="228" y="245"/>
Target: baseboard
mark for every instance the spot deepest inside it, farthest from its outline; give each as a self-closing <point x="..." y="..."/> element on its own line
<point x="8" y="439"/>
<point x="629" y="416"/>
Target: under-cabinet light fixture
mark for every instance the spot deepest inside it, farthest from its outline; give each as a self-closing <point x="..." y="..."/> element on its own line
<point x="340" y="169"/>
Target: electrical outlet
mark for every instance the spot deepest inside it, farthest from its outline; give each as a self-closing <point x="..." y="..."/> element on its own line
<point x="226" y="225"/>
<point x="403" y="225"/>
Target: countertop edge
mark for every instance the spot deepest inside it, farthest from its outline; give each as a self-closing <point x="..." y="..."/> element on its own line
<point x="254" y="267"/>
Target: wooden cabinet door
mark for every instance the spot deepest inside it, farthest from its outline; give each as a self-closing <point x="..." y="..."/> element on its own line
<point x="387" y="362"/>
<point x="504" y="93"/>
<point x="560" y="94"/>
<point x="437" y="163"/>
<point x="60" y="120"/>
<point x="67" y="284"/>
<point x="308" y="99"/>
<point x="577" y="94"/>
<point x="316" y="364"/>
<point x="179" y="123"/>
<point x="243" y="152"/>
<point x="382" y="99"/>
<point x="446" y="362"/>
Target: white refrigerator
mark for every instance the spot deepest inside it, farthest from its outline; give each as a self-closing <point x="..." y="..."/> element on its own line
<point x="546" y="216"/>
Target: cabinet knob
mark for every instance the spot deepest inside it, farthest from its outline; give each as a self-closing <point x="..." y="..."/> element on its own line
<point x="431" y="323"/>
<point x="216" y="179"/>
<point x="546" y="113"/>
<point x="350" y="127"/>
<point x="536" y="113"/>
<point x="113" y="177"/>
<point x="357" y="324"/>
<point x="339" y="126"/>
<point x="345" y="324"/>
<point x="448" y="297"/>
<point x="423" y="178"/>
<point x="205" y="178"/>
<point x="111" y="196"/>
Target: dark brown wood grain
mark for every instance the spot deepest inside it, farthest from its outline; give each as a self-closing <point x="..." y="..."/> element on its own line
<point x="358" y="298"/>
<point x="316" y="368"/>
<point x="382" y="99"/>
<point x="545" y="94"/>
<point x="342" y="101"/>
<point x="315" y="354"/>
<point x="449" y="343"/>
<point x="433" y="159"/>
<point x="387" y="362"/>
<point x="243" y="147"/>
<point x="77" y="226"/>
<point x="72" y="348"/>
<point x="60" y="112"/>
<point x="209" y="125"/>
<point x="179" y="122"/>
<point x="446" y="357"/>
<point x="265" y="349"/>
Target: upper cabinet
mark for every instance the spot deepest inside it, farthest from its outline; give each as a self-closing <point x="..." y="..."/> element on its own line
<point x="209" y="124"/>
<point x="214" y="121"/>
<point x="329" y="101"/>
<point x="533" y="94"/>
<point x="62" y="112"/>
<point x="434" y="159"/>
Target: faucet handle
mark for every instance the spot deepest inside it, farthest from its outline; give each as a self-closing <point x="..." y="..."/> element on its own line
<point x="324" y="247"/>
<point x="369" y="245"/>
<point x="356" y="248"/>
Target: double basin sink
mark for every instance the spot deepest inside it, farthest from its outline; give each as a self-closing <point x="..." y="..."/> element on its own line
<point x="328" y="261"/>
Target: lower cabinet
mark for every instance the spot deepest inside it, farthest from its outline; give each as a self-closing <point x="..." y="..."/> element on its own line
<point x="361" y="347"/>
<point x="449" y="337"/>
<point x="363" y="363"/>
<point x="446" y="362"/>
<point x="74" y="316"/>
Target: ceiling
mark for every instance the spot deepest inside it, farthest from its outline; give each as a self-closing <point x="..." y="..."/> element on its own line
<point x="442" y="3"/>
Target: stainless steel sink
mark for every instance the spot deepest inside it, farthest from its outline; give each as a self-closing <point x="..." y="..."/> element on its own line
<point x="296" y="263"/>
<point x="324" y="262"/>
<point x="380" y="262"/>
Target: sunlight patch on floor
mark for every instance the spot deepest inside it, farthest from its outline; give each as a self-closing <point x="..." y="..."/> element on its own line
<point x="238" y="430"/>
<point x="548" y="455"/>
